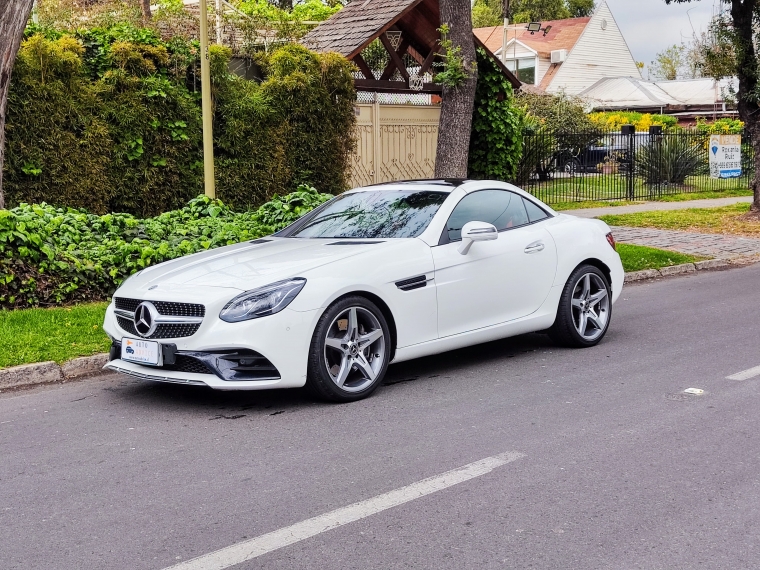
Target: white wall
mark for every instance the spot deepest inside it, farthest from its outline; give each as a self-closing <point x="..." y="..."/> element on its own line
<point x="598" y="53"/>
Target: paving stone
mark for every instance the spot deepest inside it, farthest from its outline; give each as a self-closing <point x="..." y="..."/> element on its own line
<point x="704" y="245"/>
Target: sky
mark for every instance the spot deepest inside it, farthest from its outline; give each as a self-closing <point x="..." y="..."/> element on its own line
<point x="650" y="26"/>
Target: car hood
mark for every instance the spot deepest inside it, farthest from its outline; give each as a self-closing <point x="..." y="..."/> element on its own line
<point x="247" y="265"/>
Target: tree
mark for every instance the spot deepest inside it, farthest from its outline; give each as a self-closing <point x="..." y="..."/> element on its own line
<point x="581" y="8"/>
<point x="459" y="79"/>
<point x="668" y="63"/>
<point x="737" y="28"/>
<point x="146" y="14"/>
<point x="486" y="13"/>
<point x="677" y="62"/>
<point x="13" y="18"/>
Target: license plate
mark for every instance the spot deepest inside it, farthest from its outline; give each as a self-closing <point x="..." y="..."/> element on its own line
<point x="142" y="351"/>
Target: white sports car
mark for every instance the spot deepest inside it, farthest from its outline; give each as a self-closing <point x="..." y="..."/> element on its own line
<point x="377" y="275"/>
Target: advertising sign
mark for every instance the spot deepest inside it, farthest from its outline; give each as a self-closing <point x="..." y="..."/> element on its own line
<point x="725" y="156"/>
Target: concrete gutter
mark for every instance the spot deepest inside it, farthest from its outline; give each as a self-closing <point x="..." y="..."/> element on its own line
<point x="51" y="372"/>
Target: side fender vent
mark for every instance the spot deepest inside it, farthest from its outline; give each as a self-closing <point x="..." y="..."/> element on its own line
<point x="412" y="283"/>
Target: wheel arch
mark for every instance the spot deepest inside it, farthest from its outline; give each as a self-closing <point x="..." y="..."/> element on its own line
<point x="600" y="265"/>
<point x="384" y="308"/>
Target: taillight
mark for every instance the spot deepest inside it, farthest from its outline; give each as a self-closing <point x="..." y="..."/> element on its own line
<point x="611" y="241"/>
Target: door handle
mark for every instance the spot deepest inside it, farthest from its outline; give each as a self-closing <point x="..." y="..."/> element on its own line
<point x="535" y="247"/>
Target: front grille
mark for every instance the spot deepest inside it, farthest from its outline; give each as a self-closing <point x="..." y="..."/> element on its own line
<point x="164" y="330"/>
<point x="188" y="364"/>
<point x="167" y="308"/>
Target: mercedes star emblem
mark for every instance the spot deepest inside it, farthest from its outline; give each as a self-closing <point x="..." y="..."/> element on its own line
<point x="145" y="319"/>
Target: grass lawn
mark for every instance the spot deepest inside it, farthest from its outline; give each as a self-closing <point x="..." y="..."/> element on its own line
<point x="638" y="257"/>
<point x="60" y="334"/>
<point x="667" y="198"/>
<point x="723" y="220"/>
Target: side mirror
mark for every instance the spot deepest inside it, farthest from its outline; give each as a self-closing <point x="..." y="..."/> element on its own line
<point x="476" y="231"/>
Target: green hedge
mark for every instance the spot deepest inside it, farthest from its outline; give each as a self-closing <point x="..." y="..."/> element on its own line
<point x="50" y="256"/>
<point x="110" y="121"/>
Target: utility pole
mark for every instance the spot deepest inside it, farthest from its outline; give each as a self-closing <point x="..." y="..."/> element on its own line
<point x="208" y="122"/>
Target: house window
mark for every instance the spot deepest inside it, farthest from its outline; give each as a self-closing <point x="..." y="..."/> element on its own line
<point x="526" y="69"/>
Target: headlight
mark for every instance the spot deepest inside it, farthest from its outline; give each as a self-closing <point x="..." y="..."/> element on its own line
<point x="263" y="301"/>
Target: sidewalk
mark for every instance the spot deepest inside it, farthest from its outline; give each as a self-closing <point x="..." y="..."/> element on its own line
<point x="657" y="206"/>
<point x="721" y="246"/>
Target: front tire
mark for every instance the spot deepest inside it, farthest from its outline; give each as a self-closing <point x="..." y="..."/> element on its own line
<point x="349" y="352"/>
<point x="585" y="309"/>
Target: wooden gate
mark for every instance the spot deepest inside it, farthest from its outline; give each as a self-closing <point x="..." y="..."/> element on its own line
<point x="394" y="142"/>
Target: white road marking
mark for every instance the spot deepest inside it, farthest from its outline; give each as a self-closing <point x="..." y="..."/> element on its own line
<point x="243" y="551"/>
<point x="746" y="374"/>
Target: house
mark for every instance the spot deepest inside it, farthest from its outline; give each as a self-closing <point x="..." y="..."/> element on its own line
<point x="570" y="56"/>
<point x="685" y="99"/>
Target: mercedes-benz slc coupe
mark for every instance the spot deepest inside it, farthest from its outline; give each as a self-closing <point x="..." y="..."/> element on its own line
<point x="375" y="276"/>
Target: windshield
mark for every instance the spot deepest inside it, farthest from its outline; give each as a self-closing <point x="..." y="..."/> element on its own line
<point x="378" y="214"/>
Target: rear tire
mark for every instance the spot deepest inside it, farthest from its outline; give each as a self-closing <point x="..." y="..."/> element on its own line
<point x="349" y="352"/>
<point x="585" y="309"/>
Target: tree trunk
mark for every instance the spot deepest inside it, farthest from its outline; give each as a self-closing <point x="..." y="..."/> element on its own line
<point x="457" y="105"/>
<point x="746" y="70"/>
<point x="146" y="14"/>
<point x="13" y="18"/>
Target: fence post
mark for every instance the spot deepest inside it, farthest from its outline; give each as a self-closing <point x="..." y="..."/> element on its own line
<point x="629" y="132"/>
<point x="655" y="138"/>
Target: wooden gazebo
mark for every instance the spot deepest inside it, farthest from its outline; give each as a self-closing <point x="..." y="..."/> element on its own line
<point x="404" y="27"/>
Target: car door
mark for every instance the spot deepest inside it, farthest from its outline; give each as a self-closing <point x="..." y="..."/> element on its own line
<point x="496" y="281"/>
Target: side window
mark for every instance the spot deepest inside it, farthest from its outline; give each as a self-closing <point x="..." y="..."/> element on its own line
<point x="501" y="208"/>
<point x="534" y="212"/>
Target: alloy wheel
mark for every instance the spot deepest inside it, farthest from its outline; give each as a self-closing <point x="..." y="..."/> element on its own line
<point x="354" y="349"/>
<point x="590" y="306"/>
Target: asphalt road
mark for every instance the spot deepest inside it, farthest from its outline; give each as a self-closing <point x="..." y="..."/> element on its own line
<point x="619" y="468"/>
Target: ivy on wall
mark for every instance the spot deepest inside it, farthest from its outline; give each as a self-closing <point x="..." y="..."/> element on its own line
<point x="496" y="141"/>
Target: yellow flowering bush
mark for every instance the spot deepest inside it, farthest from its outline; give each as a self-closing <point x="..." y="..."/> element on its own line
<point x="614" y="120"/>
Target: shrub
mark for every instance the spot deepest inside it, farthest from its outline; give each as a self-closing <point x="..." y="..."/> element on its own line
<point x="613" y="120"/>
<point x="112" y="122"/>
<point x="52" y="255"/>
<point x="670" y="160"/>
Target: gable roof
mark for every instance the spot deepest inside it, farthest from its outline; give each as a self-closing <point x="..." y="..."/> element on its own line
<point x="360" y="22"/>
<point x="563" y="35"/>
<point x="348" y="30"/>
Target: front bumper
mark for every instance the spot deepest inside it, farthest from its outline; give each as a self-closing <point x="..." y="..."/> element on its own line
<point x="282" y="340"/>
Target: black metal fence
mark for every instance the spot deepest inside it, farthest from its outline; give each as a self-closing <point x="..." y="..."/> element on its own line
<point x="599" y="165"/>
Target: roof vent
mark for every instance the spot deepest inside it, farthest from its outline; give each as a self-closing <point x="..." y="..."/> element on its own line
<point x="559" y="55"/>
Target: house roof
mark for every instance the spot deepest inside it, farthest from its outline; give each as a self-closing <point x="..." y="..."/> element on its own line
<point x="631" y="93"/>
<point x="563" y="35"/>
<point x="360" y="21"/>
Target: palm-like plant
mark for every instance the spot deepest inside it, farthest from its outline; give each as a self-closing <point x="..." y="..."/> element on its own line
<point x="670" y="160"/>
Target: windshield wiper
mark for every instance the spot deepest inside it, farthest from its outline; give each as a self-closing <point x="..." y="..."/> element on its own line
<point x="328" y="217"/>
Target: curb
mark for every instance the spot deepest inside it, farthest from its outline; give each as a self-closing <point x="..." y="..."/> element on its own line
<point x="78" y="368"/>
<point x="49" y="372"/>
<point x="676" y="270"/>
